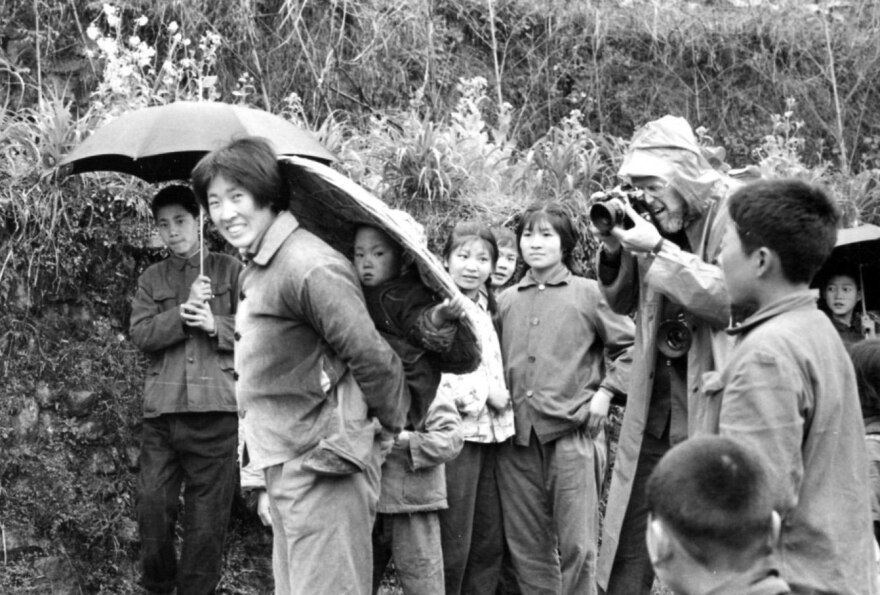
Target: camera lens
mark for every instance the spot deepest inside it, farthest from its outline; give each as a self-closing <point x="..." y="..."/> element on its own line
<point x="605" y="215"/>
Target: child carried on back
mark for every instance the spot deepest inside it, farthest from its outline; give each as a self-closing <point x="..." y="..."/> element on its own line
<point x="418" y="328"/>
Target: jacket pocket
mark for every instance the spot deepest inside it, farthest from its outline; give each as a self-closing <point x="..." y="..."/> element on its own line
<point x="222" y="300"/>
<point x="423" y="486"/>
<point x="166" y="298"/>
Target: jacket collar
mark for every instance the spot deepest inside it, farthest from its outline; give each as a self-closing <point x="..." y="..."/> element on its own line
<point x="181" y="263"/>
<point x="281" y="227"/>
<point x="561" y="276"/>
<point x="800" y="300"/>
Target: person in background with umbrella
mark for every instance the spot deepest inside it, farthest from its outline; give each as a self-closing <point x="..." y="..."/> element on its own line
<point x="301" y="311"/>
<point x="183" y="321"/>
<point x="840" y="293"/>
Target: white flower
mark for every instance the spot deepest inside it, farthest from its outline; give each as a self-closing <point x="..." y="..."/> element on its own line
<point x="173" y="27"/>
<point x="109" y="10"/>
<point x="142" y="21"/>
<point x="187" y="42"/>
<point x="93" y="32"/>
<point x="134" y="41"/>
<point x="113" y="21"/>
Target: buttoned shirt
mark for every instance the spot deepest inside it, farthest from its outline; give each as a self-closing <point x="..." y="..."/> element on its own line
<point x="301" y="316"/>
<point x="188" y="371"/>
<point x="555" y="337"/>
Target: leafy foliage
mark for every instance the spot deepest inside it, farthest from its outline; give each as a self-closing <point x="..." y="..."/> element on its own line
<point x="450" y="109"/>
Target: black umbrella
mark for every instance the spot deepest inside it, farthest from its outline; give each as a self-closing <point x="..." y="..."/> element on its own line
<point x="163" y="143"/>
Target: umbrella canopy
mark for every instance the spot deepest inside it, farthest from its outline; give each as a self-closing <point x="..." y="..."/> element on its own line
<point x="856" y="253"/>
<point x="163" y="143"/>
<point x="332" y="206"/>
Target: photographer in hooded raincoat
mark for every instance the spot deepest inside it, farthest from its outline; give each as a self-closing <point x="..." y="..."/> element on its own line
<point x="660" y="266"/>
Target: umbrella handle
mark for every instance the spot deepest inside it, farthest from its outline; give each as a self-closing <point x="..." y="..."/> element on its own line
<point x="201" y="242"/>
<point x="869" y="328"/>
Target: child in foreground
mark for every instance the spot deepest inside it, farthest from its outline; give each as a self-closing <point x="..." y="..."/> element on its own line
<point x="788" y="388"/>
<point x="712" y="527"/>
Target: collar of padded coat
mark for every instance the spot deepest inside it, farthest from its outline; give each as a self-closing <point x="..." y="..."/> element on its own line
<point x="794" y="301"/>
<point x="281" y="227"/>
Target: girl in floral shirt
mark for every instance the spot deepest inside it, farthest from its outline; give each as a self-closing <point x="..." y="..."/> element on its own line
<point x="471" y="529"/>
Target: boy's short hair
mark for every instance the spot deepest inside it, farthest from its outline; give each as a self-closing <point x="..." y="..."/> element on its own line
<point x="251" y="163"/>
<point x="866" y="361"/>
<point x="176" y="194"/>
<point x="504" y="237"/>
<point x="795" y="219"/>
<point x="714" y="494"/>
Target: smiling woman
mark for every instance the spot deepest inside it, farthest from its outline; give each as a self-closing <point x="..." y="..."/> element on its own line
<point x="300" y="308"/>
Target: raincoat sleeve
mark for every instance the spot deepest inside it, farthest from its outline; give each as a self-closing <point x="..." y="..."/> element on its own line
<point x="690" y="282"/>
<point x="619" y="281"/>
<point x="442" y="438"/>
<point x="617" y="332"/>
<point x="154" y="328"/>
<point x="761" y="406"/>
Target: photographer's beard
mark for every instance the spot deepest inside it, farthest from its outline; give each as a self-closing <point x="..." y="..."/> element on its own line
<point x="669" y="212"/>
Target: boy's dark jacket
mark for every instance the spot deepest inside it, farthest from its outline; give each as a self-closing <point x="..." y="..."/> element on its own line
<point x="401" y="309"/>
<point x="188" y="371"/>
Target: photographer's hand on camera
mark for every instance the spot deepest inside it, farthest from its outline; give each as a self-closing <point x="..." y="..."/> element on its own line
<point x="643" y="236"/>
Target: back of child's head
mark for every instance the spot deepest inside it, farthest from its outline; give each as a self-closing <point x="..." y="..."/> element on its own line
<point x="797" y="220"/>
<point x="556" y="216"/>
<point x="715" y="496"/>
<point x="866" y="361"/>
<point x="175" y="195"/>
<point x="249" y="162"/>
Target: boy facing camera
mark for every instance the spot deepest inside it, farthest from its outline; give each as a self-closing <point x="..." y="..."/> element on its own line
<point x="788" y="388"/>
<point x="183" y="321"/>
<point x="712" y="526"/>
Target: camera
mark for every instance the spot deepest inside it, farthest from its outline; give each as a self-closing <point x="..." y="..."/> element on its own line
<point x="674" y="337"/>
<point x="608" y="209"/>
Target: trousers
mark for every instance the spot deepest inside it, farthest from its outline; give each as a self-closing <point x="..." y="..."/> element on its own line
<point x="196" y="451"/>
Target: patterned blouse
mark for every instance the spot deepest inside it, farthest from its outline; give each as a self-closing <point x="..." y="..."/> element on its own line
<point x="470" y="392"/>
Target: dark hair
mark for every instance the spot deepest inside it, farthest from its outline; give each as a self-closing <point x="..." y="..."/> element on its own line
<point x="251" y="163"/>
<point x="795" y="219"/>
<point x="175" y="195"/>
<point x="559" y="219"/>
<point x="466" y="231"/>
<point x="866" y="361"/>
<point x="505" y="238"/>
<point x="714" y="494"/>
